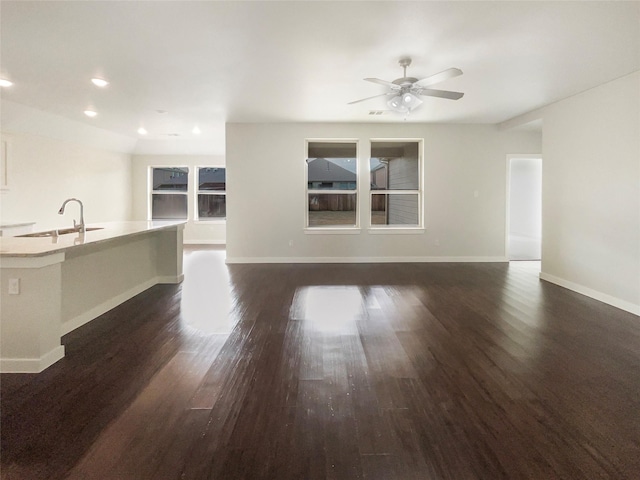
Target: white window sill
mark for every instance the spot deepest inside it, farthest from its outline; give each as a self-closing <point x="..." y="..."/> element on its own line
<point x="209" y="222"/>
<point x="332" y="231"/>
<point x="396" y="231"/>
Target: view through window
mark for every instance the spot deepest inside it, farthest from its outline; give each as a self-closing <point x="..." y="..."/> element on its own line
<point x="169" y="197"/>
<point x="332" y="182"/>
<point x="395" y="183"/>
<point x="212" y="195"/>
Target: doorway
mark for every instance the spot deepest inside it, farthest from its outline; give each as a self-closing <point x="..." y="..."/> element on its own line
<point x="524" y="207"/>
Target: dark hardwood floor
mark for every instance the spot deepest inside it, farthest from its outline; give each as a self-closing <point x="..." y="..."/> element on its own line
<point x="385" y="371"/>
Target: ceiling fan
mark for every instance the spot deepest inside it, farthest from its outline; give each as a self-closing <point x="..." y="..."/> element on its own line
<point x="404" y="91"/>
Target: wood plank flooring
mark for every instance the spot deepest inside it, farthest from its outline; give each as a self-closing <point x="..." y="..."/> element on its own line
<point x="377" y="371"/>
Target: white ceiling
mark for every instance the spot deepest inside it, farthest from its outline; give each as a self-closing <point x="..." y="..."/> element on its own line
<point x="207" y="63"/>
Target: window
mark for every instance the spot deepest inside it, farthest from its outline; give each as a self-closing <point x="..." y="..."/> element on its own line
<point x="211" y="194"/>
<point x="169" y="197"/>
<point x="396" y="187"/>
<point x="331" y="184"/>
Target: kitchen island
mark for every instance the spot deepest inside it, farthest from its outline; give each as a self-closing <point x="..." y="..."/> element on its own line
<point x="51" y="285"/>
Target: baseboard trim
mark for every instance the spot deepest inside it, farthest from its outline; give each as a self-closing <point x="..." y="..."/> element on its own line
<point x="170" y="279"/>
<point x="204" y="242"/>
<point x="231" y="260"/>
<point x="104" y="307"/>
<point x="31" y="365"/>
<point x="589" y="292"/>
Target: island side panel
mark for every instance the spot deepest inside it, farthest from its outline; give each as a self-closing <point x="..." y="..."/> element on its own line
<point x="99" y="277"/>
<point x="169" y="255"/>
<point x="30" y="320"/>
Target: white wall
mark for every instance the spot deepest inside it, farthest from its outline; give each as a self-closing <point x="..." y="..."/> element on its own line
<point x="43" y="172"/>
<point x="591" y="192"/>
<point x="205" y="232"/>
<point x="465" y="193"/>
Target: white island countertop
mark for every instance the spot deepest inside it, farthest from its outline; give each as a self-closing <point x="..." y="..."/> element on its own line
<point x="52" y="285"/>
<point x="40" y="246"/>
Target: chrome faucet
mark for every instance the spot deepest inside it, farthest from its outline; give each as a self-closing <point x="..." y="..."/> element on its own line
<point x="79" y="226"/>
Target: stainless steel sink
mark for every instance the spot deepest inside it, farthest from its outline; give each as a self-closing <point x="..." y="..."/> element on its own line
<point x="56" y="233"/>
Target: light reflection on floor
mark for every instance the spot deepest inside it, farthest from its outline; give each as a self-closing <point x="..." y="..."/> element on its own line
<point x="520" y="318"/>
<point x="330" y="309"/>
<point x="206" y="294"/>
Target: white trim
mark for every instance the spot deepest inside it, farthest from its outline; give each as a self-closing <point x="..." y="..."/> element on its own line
<point x="332" y="231"/>
<point x="5" y="154"/>
<point x="31" y="365"/>
<point x="212" y="221"/>
<point x="231" y="260"/>
<point x="108" y="305"/>
<point x="91" y="314"/>
<point x="392" y="230"/>
<point x="173" y="279"/>
<point x="591" y="293"/>
<point x="204" y="242"/>
<point x="31" y="261"/>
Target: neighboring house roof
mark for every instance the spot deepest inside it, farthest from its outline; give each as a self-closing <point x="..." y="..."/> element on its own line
<point x="213" y="179"/>
<point x="178" y="182"/>
<point x="323" y="170"/>
<point x="210" y="179"/>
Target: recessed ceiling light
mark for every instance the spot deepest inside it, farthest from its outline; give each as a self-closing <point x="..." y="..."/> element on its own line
<point x="5" y="83"/>
<point x="196" y="131"/>
<point x="99" y="82"/>
<point x="90" y="113"/>
<point x="142" y="131"/>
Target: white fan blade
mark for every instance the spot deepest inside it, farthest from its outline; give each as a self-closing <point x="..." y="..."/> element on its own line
<point x="428" y="92"/>
<point x="383" y="82"/>
<point x="368" y="98"/>
<point x="439" y="77"/>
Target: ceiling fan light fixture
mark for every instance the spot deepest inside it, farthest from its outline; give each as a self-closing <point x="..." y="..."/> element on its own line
<point x="395" y="102"/>
<point x="404" y="102"/>
<point x="411" y="101"/>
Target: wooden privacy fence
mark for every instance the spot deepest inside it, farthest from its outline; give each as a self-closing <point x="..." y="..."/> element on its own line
<point x="337" y="202"/>
<point x="340" y="202"/>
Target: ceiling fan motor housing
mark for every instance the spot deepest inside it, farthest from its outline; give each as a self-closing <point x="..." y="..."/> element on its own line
<point x="405" y="81"/>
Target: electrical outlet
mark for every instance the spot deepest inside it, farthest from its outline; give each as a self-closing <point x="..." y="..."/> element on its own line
<point x="14" y="286"/>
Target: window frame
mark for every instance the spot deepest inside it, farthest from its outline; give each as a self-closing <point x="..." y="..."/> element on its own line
<point x="152" y="192"/>
<point x="197" y="192"/>
<point x="398" y="229"/>
<point x="332" y="229"/>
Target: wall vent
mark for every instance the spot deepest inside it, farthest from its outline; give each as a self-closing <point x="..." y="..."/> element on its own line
<point x="376" y="112"/>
